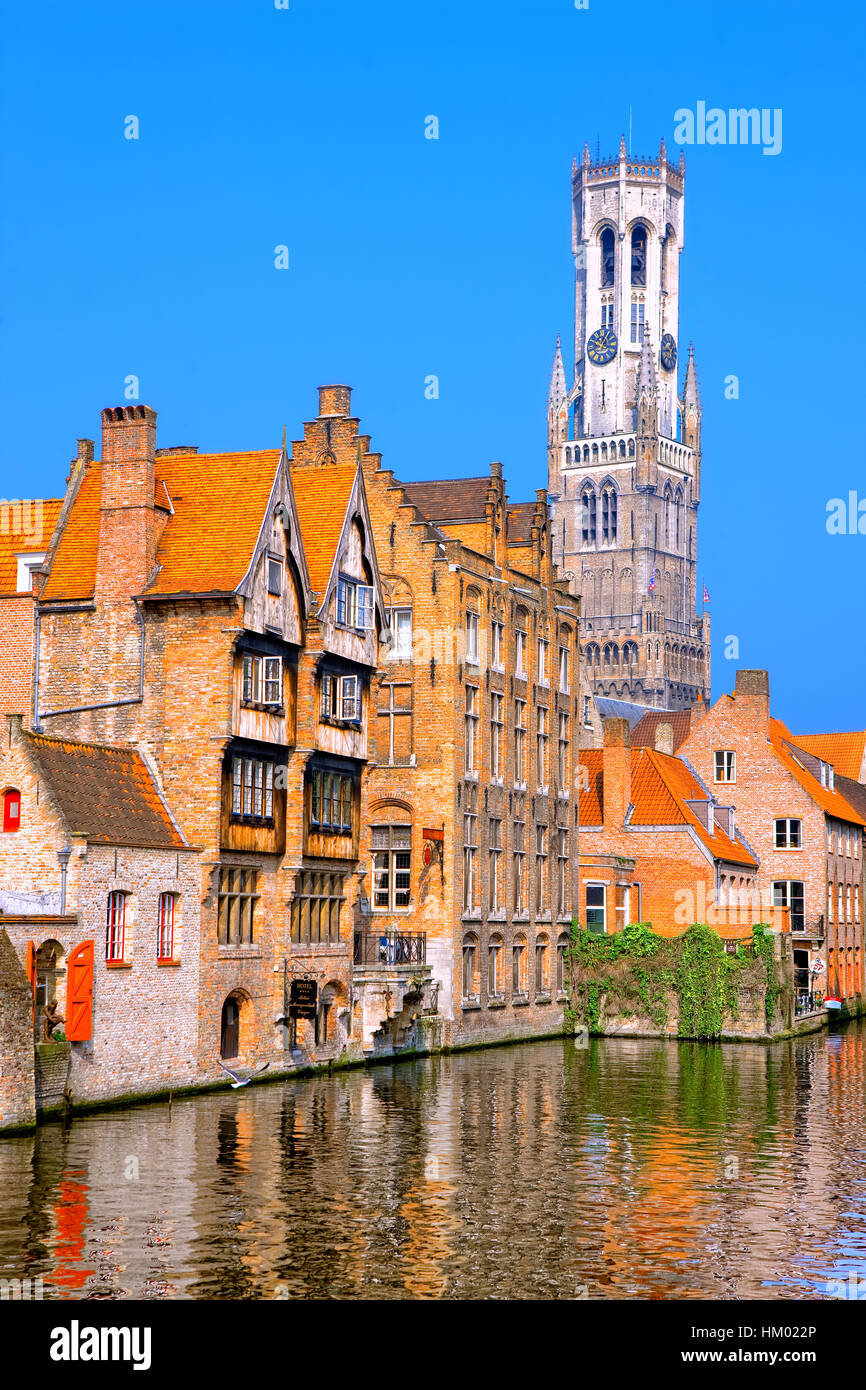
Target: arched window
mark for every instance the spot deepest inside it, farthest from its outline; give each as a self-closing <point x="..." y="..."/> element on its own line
<point x="518" y="966"/>
<point x="11" y="809"/>
<point x="679" y="516"/>
<point x="669" y="518"/>
<point x="608" y="245"/>
<point x="115" y="927"/>
<point x="588" y="518"/>
<point x="608" y="515"/>
<point x="471" y="969"/>
<point x="230" y="1032"/>
<point x="638" y="255"/>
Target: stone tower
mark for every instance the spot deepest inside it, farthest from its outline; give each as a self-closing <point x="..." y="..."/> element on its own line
<point x="624" y="447"/>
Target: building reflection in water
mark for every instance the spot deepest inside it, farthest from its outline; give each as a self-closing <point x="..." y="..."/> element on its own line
<point x="631" y="1169"/>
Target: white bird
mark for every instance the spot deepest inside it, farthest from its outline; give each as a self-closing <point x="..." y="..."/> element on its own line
<point x="245" y="1080"/>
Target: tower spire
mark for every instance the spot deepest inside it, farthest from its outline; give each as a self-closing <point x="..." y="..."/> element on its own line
<point x="691" y="395"/>
<point x="558" y="390"/>
<point x="646" y="374"/>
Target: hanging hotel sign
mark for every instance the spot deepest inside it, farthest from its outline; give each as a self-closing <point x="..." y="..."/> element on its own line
<point x="303" y="1000"/>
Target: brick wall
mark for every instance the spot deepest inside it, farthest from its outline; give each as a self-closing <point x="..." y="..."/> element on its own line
<point x="17" y="1093"/>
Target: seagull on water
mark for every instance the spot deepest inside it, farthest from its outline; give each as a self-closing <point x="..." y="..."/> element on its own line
<point x="238" y="1080"/>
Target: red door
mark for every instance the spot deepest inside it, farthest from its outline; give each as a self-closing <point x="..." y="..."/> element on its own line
<point x="79" y="993"/>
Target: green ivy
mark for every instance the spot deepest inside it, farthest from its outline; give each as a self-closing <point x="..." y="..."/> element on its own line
<point x="637" y="971"/>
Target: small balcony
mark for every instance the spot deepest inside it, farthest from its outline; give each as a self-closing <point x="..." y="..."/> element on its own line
<point x="390" y="948"/>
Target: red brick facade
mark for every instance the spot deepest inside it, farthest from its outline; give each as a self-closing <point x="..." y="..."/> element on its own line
<point x="791" y="816"/>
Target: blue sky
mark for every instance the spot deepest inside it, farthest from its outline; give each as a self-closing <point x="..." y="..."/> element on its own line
<point x="411" y="257"/>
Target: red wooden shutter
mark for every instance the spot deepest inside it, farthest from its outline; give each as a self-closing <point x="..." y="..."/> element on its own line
<point x="30" y="962"/>
<point x="79" y="993"/>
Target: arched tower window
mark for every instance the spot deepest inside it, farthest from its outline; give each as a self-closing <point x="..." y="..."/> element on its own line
<point x="588" y="518"/>
<point x="608" y="243"/>
<point x="669" y="519"/>
<point x="638" y="255"/>
<point x="678" y="504"/>
<point x="608" y="515"/>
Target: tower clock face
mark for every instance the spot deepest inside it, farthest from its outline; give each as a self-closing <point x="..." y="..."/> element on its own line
<point x="668" y="352"/>
<point x="602" y="346"/>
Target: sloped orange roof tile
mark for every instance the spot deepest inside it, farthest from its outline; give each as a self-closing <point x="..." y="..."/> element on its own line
<point x="17" y="542"/>
<point x="661" y="785"/>
<point x="832" y="802"/>
<point x="322" y="497"/>
<point x="106" y="793"/>
<point x="844" y="751"/>
<point x="219" y="503"/>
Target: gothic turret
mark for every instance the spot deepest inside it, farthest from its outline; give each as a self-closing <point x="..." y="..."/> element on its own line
<point x="557" y="413"/>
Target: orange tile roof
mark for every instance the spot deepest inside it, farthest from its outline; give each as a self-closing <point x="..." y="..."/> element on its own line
<point x="520" y="518"/>
<point x="17" y="543"/>
<point x="450" y="499"/>
<point x="106" y="793"/>
<point x="322" y="498"/>
<point x="845" y="751"/>
<point x="219" y="503"/>
<point x="73" y="569"/>
<point x="661" y="785"/>
<point x="832" y="802"/>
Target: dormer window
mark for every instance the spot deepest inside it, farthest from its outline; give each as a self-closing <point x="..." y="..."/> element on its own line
<point x="25" y="568"/>
<point x="275" y="576"/>
<point x="355" y="605"/>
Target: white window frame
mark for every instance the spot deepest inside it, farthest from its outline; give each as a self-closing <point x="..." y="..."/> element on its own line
<point x="497" y="631"/>
<point x="728" y="768"/>
<point x="252" y="788"/>
<point x="472" y="623"/>
<point x="390" y="878"/>
<point x="355" y="605"/>
<point x="788" y="822"/>
<point x="602" y="907"/>
<point x="399" y="623"/>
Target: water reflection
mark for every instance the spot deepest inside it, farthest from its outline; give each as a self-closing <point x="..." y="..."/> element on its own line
<point x="636" y="1168"/>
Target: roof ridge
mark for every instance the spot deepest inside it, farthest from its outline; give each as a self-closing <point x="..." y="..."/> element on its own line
<point x="82" y="743"/>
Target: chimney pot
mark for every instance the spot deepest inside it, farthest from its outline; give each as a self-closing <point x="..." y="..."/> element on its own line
<point x="335" y="400"/>
<point x="616" y="763"/>
<point x="664" y="739"/>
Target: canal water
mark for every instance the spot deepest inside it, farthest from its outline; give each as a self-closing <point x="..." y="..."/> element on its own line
<point x="631" y="1169"/>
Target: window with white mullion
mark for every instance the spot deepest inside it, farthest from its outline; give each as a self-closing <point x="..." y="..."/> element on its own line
<point x="392" y="865"/>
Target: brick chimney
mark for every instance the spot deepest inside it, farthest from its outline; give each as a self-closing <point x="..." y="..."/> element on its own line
<point x="752" y="691"/>
<point x="664" y="739"/>
<point x="127" y="518"/>
<point x="335" y="400"/>
<point x="617" y="771"/>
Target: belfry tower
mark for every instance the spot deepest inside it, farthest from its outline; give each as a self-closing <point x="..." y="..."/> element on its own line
<point x="624" y="446"/>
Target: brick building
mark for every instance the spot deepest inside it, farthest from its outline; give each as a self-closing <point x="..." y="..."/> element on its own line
<point x="26" y="528"/>
<point x="657" y="847"/>
<point x="471" y="800"/>
<point x="105" y="912"/>
<point x="808" y="837"/>
<point x="230" y="610"/>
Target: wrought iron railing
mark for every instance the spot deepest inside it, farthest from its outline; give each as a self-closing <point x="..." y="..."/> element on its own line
<point x="390" y="948"/>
